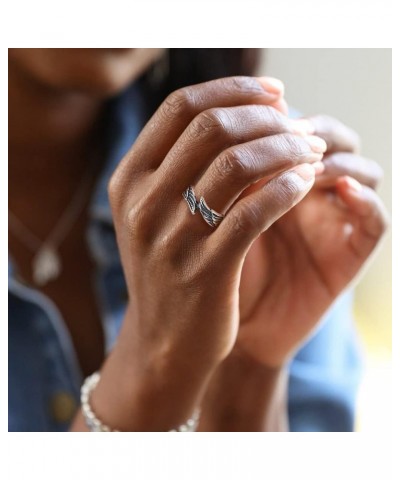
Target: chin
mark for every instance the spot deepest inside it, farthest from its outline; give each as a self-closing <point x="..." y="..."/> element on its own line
<point x="101" y="80"/>
<point x="102" y="72"/>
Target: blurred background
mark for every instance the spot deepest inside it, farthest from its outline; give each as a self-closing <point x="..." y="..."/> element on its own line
<point x="354" y="85"/>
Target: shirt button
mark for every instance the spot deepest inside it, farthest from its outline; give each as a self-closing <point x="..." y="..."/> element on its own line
<point x="63" y="407"/>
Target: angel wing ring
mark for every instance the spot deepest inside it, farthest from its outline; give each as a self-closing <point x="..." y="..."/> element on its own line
<point x="212" y="217"/>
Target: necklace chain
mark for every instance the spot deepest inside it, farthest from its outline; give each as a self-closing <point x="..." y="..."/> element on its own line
<point x="46" y="264"/>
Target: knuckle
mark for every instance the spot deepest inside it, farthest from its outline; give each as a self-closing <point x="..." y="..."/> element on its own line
<point x="231" y="165"/>
<point x="329" y="127"/>
<point x="245" y="219"/>
<point x="289" y="187"/>
<point x="337" y="162"/>
<point x="275" y="118"/>
<point x="139" y="220"/>
<point x="293" y="146"/>
<point x="120" y="186"/>
<point x="178" y="102"/>
<point x="273" y="122"/>
<point x="135" y="222"/>
<point x="243" y="84"/>
<point x="212" y="122"/>
<point x="115" y="190"/>
<point x="345" y="163"/>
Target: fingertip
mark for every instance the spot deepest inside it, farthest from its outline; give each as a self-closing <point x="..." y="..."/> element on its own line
<point x="302" y="126"/>
<point x="350" y="184"/>
<point x="353" y="184"/>
<point x="319" y="167"/>
<point x="281" y="105"/>
<point x="272" y="85"/>
<point x="306" y="171"/>
<point x="354" y="195"/>
<point x="317" y="144"/>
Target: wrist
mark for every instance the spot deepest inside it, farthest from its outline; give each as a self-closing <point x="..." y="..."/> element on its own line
<point x="244" y="395"/>
<point x="141" y="394"/>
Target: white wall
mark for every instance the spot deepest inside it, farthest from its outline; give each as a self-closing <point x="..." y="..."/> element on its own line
<point x="355" y="86"/>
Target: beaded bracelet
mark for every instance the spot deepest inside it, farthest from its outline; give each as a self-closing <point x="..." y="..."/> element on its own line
<point x="95" y="425"/>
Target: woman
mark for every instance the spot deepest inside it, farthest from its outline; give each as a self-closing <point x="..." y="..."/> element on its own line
<point x="213" y="303"/>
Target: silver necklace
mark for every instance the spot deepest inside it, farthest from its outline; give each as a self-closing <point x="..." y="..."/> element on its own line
<point x="46" y="263"/>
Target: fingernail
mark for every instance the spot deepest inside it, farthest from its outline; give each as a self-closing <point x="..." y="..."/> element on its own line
<point x="319" y="167"/>
<point x="272" y="85"/>
<point x="305" y="171"/>
<point x="281" y="105"/>
<point x="353" y="184"/>
<point x="302" y="126"/>
<point x="317" y="144"/>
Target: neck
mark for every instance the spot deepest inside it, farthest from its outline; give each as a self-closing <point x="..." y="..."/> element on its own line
<point x="46" y="123"/>
<point x="52" y="137"/>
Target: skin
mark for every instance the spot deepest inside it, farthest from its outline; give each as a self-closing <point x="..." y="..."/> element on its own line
<point x="55" y="114"/>
<point x="215" y="296"/>
<point x="327" y="257"/>
<point x="330" y="234"/>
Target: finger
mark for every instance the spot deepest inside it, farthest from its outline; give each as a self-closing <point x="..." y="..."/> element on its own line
<point x="183" y="105"/>
<point x="338" y="136"/>
<point x="281" y="105"/>
<point x="213" y="131"/>
<point x="174" y="115"/>
<point x="364" y="170"/>
<point x="276" y="85"/>
<point x="242" y="165"/>
<point x="369" y="211"/>
<point x="254" y="214"/>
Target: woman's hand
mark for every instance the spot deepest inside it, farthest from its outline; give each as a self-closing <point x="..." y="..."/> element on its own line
<point x="292" y="274"/>
<point x="296" y="269"/>
<point x="182" y="275"/>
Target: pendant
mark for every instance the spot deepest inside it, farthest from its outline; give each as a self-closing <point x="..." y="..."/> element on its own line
<point x="46" y="265"/>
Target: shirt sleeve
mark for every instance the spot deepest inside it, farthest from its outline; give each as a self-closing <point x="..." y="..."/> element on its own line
<point x="325" y="374"/>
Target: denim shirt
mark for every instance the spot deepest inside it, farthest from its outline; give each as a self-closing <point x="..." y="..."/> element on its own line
<point x="44" y="376"/>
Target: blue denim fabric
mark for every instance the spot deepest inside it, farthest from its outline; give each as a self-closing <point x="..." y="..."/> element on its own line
<point x="42" y="361"/>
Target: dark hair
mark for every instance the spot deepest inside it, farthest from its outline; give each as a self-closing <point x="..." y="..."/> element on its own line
<point x="188" y="66"/>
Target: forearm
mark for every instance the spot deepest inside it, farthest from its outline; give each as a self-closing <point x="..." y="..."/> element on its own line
<point x="245" y="396"/>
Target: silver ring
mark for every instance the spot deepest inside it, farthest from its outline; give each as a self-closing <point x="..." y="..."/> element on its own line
<point x="212" y="217"/>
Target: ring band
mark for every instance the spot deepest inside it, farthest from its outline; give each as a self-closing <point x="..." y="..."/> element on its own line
<point x="212" y="217"/>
